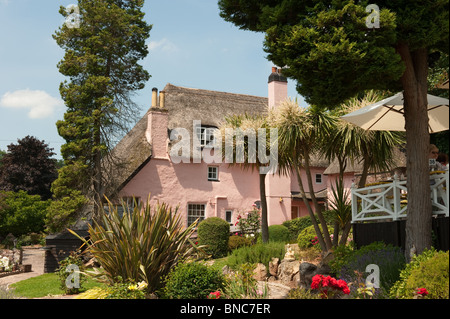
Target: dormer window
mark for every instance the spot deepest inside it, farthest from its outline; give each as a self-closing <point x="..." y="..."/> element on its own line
<point x="205" y="135"/>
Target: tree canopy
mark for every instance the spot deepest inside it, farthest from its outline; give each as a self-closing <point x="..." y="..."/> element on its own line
<point x="334" y="51"/>
<point x="28" y="166"/>
<point x="101" y="62"/>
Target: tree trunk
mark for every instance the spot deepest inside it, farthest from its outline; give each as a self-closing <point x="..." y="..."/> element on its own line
<point x="414" y="82"/>
<point x="264" y="219"/>
<point x="326" y="233"/>
<point x="322" y="243"/>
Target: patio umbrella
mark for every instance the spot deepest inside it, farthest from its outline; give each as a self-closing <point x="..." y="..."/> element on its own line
<point x="387" y="115"/>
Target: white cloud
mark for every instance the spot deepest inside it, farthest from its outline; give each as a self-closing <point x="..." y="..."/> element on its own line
<point x="39" y="104"/>
<point x="164" y="45"/>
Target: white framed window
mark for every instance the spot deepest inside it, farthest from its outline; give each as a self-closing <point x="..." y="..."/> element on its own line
<point x="318" y="178"/>
<point x="213" y="173"/>
<point x="205" y="136"/>
<point x="229" y="217"/>
<point x="195" y="211"/>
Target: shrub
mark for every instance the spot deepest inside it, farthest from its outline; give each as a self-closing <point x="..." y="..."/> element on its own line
<point x="214" y="233"/>
<point x="21" y="213"/>
<point x="388" y="258"/>
<point x="73" y="284"/>
<point x="279" y="233"/>
<point x="308" y="237"/>
<point x="258" y="253"/>
<point x="235" y="242"/>
<point x="296" y="225"/>
<point x="429" y="270"/>
<point x="142" y="245"/>
<point x="192" y="281"/>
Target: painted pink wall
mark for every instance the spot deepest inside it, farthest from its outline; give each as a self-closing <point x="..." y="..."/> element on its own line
<point x="316" y="186"/>
<point x="187" y="183"/>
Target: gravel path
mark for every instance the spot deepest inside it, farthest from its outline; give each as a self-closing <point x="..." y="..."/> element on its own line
<point x="33" y="256"/>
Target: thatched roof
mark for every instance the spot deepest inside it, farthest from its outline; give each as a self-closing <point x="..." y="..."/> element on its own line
<point x="211" y="107"/>
<point x="356" y="166"/>
<point x="184" y="105"/>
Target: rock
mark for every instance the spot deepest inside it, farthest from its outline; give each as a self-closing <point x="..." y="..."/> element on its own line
<point x="307" y="271"/>
<point x="288" y="272"/>
<point x="227" y="270"/>
<point x="290" y="255"/>
<point x="273" y="267"/>
<point x="260" y="272"/>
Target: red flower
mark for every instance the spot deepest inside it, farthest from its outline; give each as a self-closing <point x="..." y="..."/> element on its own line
<point x="422" y="291"/>
<point x="214" y="295"/>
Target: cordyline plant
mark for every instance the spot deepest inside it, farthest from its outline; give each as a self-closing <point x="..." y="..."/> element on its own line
<point x="142" y="245"/>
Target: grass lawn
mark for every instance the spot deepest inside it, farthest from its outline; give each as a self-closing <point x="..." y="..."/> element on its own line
<point x="45" y="285"/>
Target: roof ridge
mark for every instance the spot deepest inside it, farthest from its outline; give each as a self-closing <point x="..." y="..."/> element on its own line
<point x="170" y="86"/>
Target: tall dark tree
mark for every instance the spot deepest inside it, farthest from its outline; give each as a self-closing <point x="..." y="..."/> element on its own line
<point x="337" y="49"/>
<point x="103" y="46"/>
<point x="28" y="166"/>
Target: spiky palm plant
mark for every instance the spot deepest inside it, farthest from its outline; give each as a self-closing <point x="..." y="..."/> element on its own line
<point x="143" y="244"/>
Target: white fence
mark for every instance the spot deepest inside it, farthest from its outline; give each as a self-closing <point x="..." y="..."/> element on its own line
<point x="388" y="200"/>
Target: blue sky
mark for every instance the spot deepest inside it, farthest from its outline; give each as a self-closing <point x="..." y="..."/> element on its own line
<point x="190" y="45"/>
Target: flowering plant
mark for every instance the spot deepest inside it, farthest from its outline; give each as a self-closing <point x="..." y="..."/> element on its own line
<point x="214" y="295"/>
<point x="4" y="263"/>
<point x="420" y="293"/>
<point x="249" y="222"/>
<point x="329" y="286"/>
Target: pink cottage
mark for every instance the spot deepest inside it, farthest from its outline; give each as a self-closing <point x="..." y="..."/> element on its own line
<point x="200" y="189"/>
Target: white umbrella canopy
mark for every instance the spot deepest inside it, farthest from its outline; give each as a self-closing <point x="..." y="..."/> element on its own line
<point x="387" y="115"/>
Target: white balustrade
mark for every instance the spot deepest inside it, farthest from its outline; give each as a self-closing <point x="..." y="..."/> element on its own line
<point x="388" y="200"/>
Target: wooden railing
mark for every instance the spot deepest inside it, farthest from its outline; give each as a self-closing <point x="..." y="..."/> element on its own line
<point x="389" y="200"/>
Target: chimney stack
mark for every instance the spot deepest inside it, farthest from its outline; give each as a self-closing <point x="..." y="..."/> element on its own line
<point x="277" y="87"/>
<point x="162" y="99"/>
<point x="154" y="97"/>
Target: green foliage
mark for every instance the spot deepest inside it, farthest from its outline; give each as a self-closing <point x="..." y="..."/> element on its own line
<point x="296" y="225"/>
<point x="429" y="270"/>
<point x="21" y="213"/>
<point x="101" y="63"/>
<point x="388" y="258"/>
<point x="243" y="285"/>
<point x="302" y="293"/>
<point x="308" y="237"/>
<point x="62" y="212"/>
<point x="279" y="233"/>
<point x="142" y="245"/>
<point x="63" y="272"/>
<point x="192" y="281"/>
<point x="214" y="233"/>
<point x="236" y="241"/>
<point x="258" y="253"/>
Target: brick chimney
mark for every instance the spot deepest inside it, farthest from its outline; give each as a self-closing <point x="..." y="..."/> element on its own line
<point x="158" y="121"/>
<point x="278" y="91"/>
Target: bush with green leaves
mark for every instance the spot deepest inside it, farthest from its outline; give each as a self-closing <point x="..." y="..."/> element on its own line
<point x="214" y="233"/>
<point x="70" y="274"/>
<point x="308" y="238"/>
<point x="143" y="244"/>
<point x="258" y="253"/>
<point x="236" y="241"/>
<point x="389" y="259"/>
<point x="429" y="270"/>
<point x="296" y="225"/>
<point x="279" y="233"/>
<point x="21" y="213"/>
<point x="192" y="280"/>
